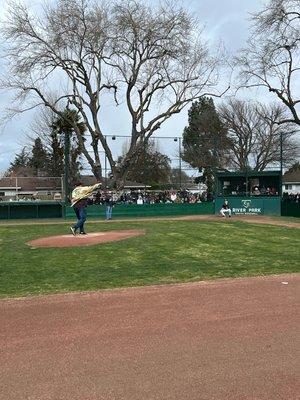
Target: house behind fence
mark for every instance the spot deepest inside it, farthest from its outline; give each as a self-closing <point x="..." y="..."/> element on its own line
<point x="30" y="188"/>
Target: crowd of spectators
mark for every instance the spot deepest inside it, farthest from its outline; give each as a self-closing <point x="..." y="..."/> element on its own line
<point x="263" y="191"/>
<point x="290" y="197"/>
<point x="150" y="197"/>
<point x="255" y="191"/>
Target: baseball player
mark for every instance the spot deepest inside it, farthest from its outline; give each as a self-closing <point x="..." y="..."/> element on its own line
<point x="225" y="210"/>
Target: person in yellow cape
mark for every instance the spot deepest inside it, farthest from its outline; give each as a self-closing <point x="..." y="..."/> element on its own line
<point x="79" y="202"/>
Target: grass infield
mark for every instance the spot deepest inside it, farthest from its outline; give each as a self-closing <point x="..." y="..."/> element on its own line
<point x="171" y="251"/>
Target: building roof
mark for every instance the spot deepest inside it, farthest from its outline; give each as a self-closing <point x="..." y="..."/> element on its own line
<point x="249" y="174"/>
<point x="29" y="184"/>
<point x="135" y="185"/>
<point x="88" y="180"/>
<point x="291" y="177"/>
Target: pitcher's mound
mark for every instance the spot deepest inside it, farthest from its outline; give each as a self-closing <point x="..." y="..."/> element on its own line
<point x="84" y="240"/>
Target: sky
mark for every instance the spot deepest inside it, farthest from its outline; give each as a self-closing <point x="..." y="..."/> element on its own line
<point x="223" y="20"/>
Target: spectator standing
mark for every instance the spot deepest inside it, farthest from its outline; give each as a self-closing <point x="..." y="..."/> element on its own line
<point x="173" y="197"/>
<point x="109" y="204"/>
<point x="140" y="200"/>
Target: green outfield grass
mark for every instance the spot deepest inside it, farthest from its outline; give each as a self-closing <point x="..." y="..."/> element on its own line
<point x="171" y="251"/>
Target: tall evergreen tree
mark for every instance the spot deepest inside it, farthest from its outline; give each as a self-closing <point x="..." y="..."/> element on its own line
<point x="205" y="141"/>
<point x="21" y="160"/>
<point x="55" y="165"/>
<point x="39" y="158"/>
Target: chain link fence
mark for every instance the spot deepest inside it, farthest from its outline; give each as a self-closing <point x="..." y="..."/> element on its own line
<point x="164" y="170"/>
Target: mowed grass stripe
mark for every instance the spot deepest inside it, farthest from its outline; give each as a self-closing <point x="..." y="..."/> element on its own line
<point x="171" y="251"/>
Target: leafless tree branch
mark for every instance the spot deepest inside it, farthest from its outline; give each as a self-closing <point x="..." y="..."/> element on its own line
<point x="144" y="56"/>
<point x="271" y="57"/>
<point x="255" y="131"/>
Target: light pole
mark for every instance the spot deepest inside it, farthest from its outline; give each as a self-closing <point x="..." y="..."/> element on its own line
<point x="105" y="165"/>
<point x="67" y="165"/>
<point x="281" y="163"/>
<point x="180" y="177"/>
<point x="281" y="152"/>
<point x="214" y="167"/>
<point x="179" y="155"/>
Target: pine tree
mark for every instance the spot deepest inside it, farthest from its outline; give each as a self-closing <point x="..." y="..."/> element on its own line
<point x="21" y="160"/>
<point x="39" y="158"/>
<point x="56" y="155"/>
<point x="205" y="141"/>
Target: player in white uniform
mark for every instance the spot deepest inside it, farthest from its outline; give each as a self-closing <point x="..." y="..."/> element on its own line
<point x="225" y="210"/>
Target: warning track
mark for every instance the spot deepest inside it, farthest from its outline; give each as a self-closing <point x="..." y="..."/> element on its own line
<point x="216" y="340"/>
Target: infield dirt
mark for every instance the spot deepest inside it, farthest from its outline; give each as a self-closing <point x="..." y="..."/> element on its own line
<point x="217" y="340"/>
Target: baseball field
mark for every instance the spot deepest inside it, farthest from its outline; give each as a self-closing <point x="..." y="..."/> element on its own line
<point x="171" y="251"/>
<point x="155" y="337"/>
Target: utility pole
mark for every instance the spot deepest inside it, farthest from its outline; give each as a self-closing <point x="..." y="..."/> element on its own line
<point x="176" y="139"/>
<point x="66" y="165"/>
<point x="180" y="163"/>
<point x="281" y="162"/>
<point x="105" y="165"/>
<point x="281" y="152"/>
<point x="215" y="159"/>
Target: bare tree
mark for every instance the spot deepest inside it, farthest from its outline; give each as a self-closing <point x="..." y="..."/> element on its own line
<point x="42" y="126"/>
<point x="271" y="58"/>
<point x="150" y="59"/>
<point x="255" y="135"/>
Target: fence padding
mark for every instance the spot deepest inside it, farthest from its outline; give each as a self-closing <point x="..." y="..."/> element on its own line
<point x="148" y="210"/>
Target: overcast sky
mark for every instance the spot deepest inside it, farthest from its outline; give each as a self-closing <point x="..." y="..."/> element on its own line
<point x="224" y="20"/>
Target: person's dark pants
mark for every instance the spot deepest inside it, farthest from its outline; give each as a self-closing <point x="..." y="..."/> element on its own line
<point x="81" y="216"/>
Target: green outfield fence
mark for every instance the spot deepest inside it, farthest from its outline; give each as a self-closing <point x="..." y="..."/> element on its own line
<point x="148" y="210"/>
<point x="256" y="206"/>
<point x="251" y="205"/>
<point x="33" y="210"/>
<point x="260" y="206"/>
<point x="37" y="210"/>
<point x="290" y="209"/>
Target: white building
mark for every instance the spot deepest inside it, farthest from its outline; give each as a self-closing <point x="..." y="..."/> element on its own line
<point x="291" y="182"/>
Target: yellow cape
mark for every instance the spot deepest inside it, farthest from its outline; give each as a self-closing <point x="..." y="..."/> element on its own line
<point x="83" y="192"/>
